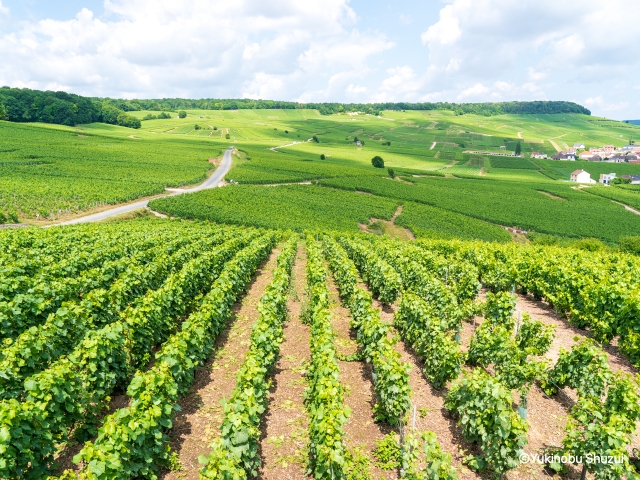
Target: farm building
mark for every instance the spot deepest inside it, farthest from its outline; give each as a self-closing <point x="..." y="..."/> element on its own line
<point x="581" y="176"/>
<point x="538" y="155"/>
<point x="635" y="179"/>
<point x="564" y="156"/>
<point x="605" y="178"/>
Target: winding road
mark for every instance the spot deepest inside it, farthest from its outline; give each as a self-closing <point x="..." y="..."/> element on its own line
<point x="210" y="182"/>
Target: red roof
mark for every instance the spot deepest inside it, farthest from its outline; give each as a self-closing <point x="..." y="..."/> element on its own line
<point x="577" y="172"/>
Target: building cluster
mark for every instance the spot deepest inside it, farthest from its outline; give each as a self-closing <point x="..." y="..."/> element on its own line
<point x="582" y="176"/>
<point x="607" y="153"/>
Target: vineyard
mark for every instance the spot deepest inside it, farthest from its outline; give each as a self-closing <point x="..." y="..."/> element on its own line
<point x="192" y="350"/>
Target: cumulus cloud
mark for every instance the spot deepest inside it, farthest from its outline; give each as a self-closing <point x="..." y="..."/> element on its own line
<point x="486" y="49"/>
<point x="312" y="50"/>
<point x="191" y="48"/>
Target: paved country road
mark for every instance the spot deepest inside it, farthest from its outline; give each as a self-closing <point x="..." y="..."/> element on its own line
<point x="211" y="182"/>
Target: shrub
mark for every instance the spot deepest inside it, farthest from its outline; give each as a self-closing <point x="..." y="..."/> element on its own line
<point x="630" y="245"/>
<point x="391" y="173"/>
<point x="322" y="157"/>
<point x="227" y="136"/>
<point x="182" y="114"/>
<point x="196" y="127"/>
<point x="315" y="139"/>
<point x="377" y="162"/>
<point x="163" y="115"/>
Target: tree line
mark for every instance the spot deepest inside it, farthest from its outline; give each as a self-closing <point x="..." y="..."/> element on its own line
<point x="25" y="105"/>
<point x="487" y="109"/>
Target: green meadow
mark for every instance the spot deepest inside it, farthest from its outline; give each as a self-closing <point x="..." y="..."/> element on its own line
<point x="443" y="177"/>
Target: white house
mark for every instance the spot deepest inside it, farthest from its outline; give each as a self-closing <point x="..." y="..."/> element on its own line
<point x="605" y="178"/>
<point x="580" y="176"/>
<point x="538" y="155"/>
<point x="578" y="146"/>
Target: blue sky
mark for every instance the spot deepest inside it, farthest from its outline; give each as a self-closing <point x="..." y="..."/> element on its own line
<point x="329" y="50"/>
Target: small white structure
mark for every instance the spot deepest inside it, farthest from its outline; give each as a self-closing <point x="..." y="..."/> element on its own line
<point x="605" y="178"/>
<point x="578" y="146"/>
<point x="580" y="176"/>
<point x="538" y="155"/>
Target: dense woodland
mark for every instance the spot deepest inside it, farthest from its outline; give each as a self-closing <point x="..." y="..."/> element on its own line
<point x="25" y="105"/>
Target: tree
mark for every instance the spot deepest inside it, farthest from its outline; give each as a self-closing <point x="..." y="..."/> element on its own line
<point x="315" y="139"/>
<point x="227" y="136"/>
<point x="391" y="173"/>
<point x="377" y="162"/>
<point x="518" y="148"/>
<point x="3" y="112"/>
<point x="322" y="157"/>
<point x="182" y="114"/>
<point x="196" y="127"/>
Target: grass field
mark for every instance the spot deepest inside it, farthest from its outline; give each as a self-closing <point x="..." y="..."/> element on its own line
<point x="70" y="170"/>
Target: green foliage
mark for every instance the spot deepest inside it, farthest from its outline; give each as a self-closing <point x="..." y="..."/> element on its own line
<point x="511" y="203"/>
<point x="498" y="309"/>
<point x="131" y="441"/>
<point x="36" y="348"/>
<point x="322" y="156"/>
<point x="390" y="374"/>
<point x="387" y="453"/>
<point x="324" y="397"/>
<point x="421" y="328"/>
<point x="629" y="245"/>
<point x="48" y="172"/>
<point x="512" y="163"/>
<point x="391" y="172"/>
<point x="604" y="428"/>
<point x="240" y="437"/>
<point x="414" y="455"/>
<point x="584" y="368"/>
<point x="294" y="207"/>
<point x="377" y="162"/>
<point x="384" y="281"/>
<point x="182" y="114"/>
<point x="484" y="408"/>
<point x="518" y="148"/>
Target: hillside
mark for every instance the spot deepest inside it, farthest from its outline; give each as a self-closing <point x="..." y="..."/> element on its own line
<point x="78" y="169"/>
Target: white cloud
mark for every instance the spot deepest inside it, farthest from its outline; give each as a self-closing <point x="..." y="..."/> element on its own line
<point x="446" y="31"/>
<point x="149" y="48"/>
<point x="475" y="91"/>
<point x="501" y="49"/>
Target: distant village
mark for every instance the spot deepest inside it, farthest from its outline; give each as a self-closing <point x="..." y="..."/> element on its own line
<point x="607" y="153"/>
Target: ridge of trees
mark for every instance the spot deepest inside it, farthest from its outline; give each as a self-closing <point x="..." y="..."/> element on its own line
<point x="25" y="105"/>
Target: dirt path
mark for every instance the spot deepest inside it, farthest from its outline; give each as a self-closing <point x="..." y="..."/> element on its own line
<point x="361" y="430"/>
<point x="555" y="145"/>
<point x="433" y="145"/>
<point x="627" y="207"/>
<point x="284" y="432"/>
<point x="547" y="417"/>
<point x="198" y="422"/>
<point x="566" y="333"/>
<point x="431" y="414"/>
